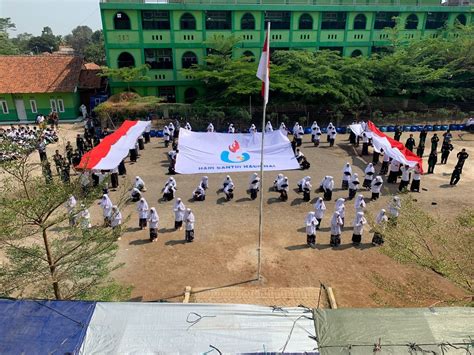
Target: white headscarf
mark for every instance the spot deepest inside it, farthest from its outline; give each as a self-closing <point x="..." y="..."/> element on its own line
<point x="309" y="218"/>
<point x="228" y="179"/>
<point x="328" y="183"/>
<point x="139" y="181"/>
<point x="106" y="202"/>
<point x="253" y="177"/>
<point x="189" y="216"/>
<point x="381" y="217"/>
<point x="370" y="169"/>
<point x="282" y="126"/>
<point x="179" y="205"/>
<point x="314" y="126"/>
<point x="71" y="203"/>
<point x="153" y="217"/>
<point x="320" y="205"/>
<point x="210" y="127"/>
<point x="359" y="219"/>
<point x="296" y="127"/>
<point x="142" y="205"/>
<point x="347" y="168"/>
<point x="339" y="204"/>
<point x="359" y="202"/>
<point x="268" y="127"/>
<point x="336" y="219"/>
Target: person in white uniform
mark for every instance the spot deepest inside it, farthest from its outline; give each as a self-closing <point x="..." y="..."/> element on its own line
<point x="381" y="222"/>
<point x="353" y="185"/>
<point x="359" y="223"/>
<point x="116" y="221"/>
<point x="405" y="181"/>
<point x="199" y="194"/>
<point x="204" y="182"/>
<point x="360" y="204"/>
<point x="106" y="205"/>
<point x="139" y="183"/>
<point x="394" y="208"/>
<point x="346" y="176"/>
<point x="336" y="227"/>
<point x="328" y="186"/>
<point x="319" y="209"/>
<point x="311" y="223"/>
<point x="376" y="188"/>
<point x="153" y="219"/>
<point x="229" y="190"/>
<point x="142" y="208"/>
<point x="71" y="204"/>
<point x="190" y="220"/>
<point x="416" y="180"/>
<point x="340" y="207"/>
<point x="179" y="209"/>
<point x="315" y="134"/>
<point x="210" y="128"/>
<point x="231" y="128"/>
<point x="282" y="188"/>
<point x="254" y="186"/>
<point x="307" y="189"/>
<point x="369" y="176"/>
<point x="268" y="127"/>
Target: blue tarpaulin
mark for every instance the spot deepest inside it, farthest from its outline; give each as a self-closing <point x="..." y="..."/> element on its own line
<point x="43" y="327"/>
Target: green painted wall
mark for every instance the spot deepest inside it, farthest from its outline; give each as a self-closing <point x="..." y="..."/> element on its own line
<point x="181" y="41"/>
<point x="71" y="105"/>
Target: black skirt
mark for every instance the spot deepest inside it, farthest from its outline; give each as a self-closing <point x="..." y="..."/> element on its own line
<point x="141" y="144"/>
<point x="335" y="240"/>
<point x="253" y="194"/>
<point x="384" y="168"/>
<point x="367" y="183"/>
<point x="122" y="170"/>
<point x="178" y="224"/>
<point x="133" y="155"/>
<point x="142" y="222"/>
<point x="189" y="235"/>
<point x="415" y="186"/>
<point x="311" y="239"/>
<point x="392" y="177"/>
<point x="146" y="135"/>
<point x="352" y="194"/>
<point x="345" y="184"/>
<point x="328" y="195"/>
<point x="306" y="196"/>
<point x="114" y="180"/>
<point x="377" y="239"/>
<point x="153" y="233"/>
<point x="375" y="196"/>
<point x="365" y="148"/>
<point x="356" y="238"/>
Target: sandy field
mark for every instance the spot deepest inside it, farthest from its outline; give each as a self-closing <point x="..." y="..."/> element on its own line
<point x="224" y="251"/>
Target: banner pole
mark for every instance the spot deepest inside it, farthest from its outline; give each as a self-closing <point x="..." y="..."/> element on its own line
<point x="260" y="215"/>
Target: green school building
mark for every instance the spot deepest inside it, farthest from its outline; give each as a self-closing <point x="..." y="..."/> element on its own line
<point x="170" y="35"/>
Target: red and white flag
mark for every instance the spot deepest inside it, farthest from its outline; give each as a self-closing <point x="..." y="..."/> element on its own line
<point x="263" y="72"/>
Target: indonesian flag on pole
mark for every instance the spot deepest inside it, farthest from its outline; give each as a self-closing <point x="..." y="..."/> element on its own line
<point x="263" y="72"/>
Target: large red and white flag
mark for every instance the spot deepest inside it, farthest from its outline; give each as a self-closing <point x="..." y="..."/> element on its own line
<point x="263" y="72"/>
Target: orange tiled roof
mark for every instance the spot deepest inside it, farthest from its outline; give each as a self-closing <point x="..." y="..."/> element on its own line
<point x="91" y="66"/>
<point x="39" y="74"/>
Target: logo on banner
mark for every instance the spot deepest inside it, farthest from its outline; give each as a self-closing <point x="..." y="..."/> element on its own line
<point x="233" y="156"/>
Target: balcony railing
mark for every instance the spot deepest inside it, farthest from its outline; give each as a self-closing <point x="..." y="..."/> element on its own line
<point x="302" y="2"/>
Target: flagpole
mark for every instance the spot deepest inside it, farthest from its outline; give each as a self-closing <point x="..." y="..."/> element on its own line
<point x="260" y="215"/>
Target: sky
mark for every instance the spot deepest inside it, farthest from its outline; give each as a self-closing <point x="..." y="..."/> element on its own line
<point x="61" y="15"/>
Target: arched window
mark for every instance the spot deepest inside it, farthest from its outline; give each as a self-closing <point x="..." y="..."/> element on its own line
<point x="306" y="22"/>
<point x="188" y="59"/>
<point x="125" y="60"/>
<point x="247" y="22"/>
<point x="436" y="20"/>
<point x="461" y="19"/>
<point x="356" y="53"/>
<point x="249" y="56"/>
<point x="190" y="95"/>
<point x="360" y="22"/>
<point x="121" y="21"/>
<point x="412" y="22"/>
<point x="187" y="22"/>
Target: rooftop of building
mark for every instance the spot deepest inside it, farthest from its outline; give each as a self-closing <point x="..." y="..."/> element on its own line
<point x="22" y="74"/>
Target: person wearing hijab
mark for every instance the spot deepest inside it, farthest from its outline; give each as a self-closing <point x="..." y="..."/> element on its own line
<point x="179" y="210"/>
<point x="359" y="222"/>
<point x="188" y="127"/>
<point x="168" y="192"/>
<point x="254" y="186"/>
<point x="353" y="185"/>
<point x="116" y="221"/>
<point x="282" y="188"/>
<point x="369" y="176"/>
<point x="376" y="187"/>
<point x="332" y="136"/>
<point x="139" y="183"/>
<point x="190" y="220"/>
<point x="231" y="129"/>
<point x="328" y="186"/>
<point x="341" y="208"/>
<point x="394" y="208"/>
<point x="360" y="204"/>
<point x="122" y="170"/>
<point x="336" y="226"/>
<point x="226" y="182"/>
<point x="210" y="128"/>
<point x="295" y="128"/>
<point x="307" y="189"/>
<point x="346" y="176"/>
<point x="268" y="127"/>
<point x="71" y="204"/>
<point x="315" y="134"/>
<point x="276" y="181"/>
<point x="319" y="209"/>
<point x="204" y="182"/>
<point x="365" y="144"/>
<point x="141" y="143"/>
<point x="328" y="129"/>
<point x="283" y="129"/>
<point x="415" y="182"/>
<point x="376" y="156"/>
<point x="381" y="222"/>
<point x="85" y="218"/>
<point x="298" y="134"/>
<point x="133" y="152"/>
<point x="135" y="195"/>
<point x="229" y="191"/>
<point x="199" y="194"/>
<point x="106" y="205"/>
<point x="172" y="131"/>
<point x="301" y="183"/>
<point x="385" y="164"/>
<point x="311" y="223"/>
<point x="252" y="129"/>
<point x="394" y="169"/>
<point x="142" y="208"/>
<point x="153" y="219"/>
<point x="166" y="136"/>
<point x="405" y="181"/>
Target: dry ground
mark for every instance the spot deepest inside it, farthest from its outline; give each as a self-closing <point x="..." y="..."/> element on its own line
<point x="224" y="251"/>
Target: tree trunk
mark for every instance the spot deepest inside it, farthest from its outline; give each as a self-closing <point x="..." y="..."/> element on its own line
<point x="52" y="267"/>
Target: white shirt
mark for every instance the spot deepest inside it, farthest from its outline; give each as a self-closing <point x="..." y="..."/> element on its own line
<point x="154" y="219"/>
<point x="179" y="210"/>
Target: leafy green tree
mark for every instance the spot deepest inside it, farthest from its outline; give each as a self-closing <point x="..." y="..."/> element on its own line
<point x="21" y="42"/>
<point x="7" y="47"/>
<point x="6" y="24"/>
<point x="126" y="75"/>
<point x="80" y="39"/>
<point x="95" y="52"/>
<point x="47" y="42"/>
<point x="45" y="257"/>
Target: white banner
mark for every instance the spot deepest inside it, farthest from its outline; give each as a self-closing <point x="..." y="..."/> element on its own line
<point x="222" y="152"/>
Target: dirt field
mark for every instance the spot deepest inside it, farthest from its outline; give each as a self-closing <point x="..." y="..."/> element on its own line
<point x="224" y="251"/>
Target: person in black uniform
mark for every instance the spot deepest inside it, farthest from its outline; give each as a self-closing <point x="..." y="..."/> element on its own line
<point x="410" y="143"/>
<point x="446" y="148"/>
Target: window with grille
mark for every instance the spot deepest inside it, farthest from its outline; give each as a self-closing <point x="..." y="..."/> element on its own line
<point x="155" y="20"/>
<point x="159" y="58"/>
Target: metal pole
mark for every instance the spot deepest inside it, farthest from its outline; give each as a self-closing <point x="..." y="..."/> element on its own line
<point x="260" y="215"/>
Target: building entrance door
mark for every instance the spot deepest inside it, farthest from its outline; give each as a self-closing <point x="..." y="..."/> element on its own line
<point x="20" y="109"/>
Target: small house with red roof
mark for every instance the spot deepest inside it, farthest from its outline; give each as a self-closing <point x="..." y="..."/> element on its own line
<point x="33" y="85"/>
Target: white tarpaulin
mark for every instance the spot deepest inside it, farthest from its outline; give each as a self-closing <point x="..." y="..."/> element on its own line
<point x="157" y="328"/>
<point x="222" y="152"/>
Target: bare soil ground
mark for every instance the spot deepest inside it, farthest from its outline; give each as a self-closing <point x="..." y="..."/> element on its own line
<point x="224" y="251"/>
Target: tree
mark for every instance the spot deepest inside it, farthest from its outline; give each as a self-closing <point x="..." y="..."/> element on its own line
<point x="47" y="42"/>
<point x="443" y="246"/>
<point x="45" y="257"/>
<point x="127" y="75"/>
<point x="95" y="52"/>
<point x="80" y="39"/>
<point x="6" y="24"/>
<point x="21" y="42"/>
